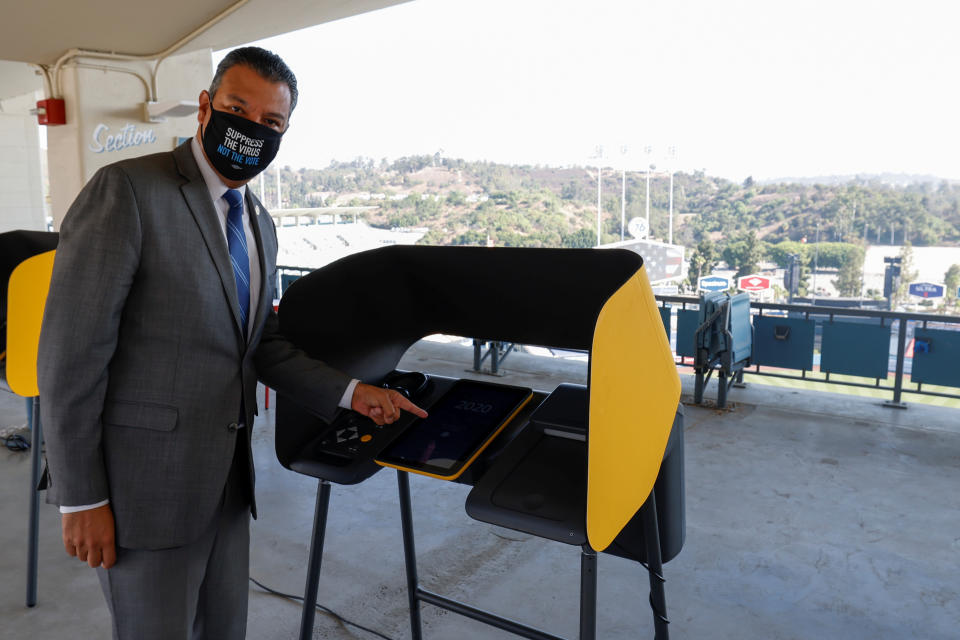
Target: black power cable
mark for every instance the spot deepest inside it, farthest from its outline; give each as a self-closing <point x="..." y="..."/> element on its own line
<point x="659" y="577"/>
<point x="322" y="608"/>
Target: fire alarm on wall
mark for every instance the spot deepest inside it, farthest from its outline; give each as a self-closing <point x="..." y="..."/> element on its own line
<point x="51" y="111"/>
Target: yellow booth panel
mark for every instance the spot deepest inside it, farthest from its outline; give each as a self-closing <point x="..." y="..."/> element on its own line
<point x="634" y="391"/>
<point x="26" y="298"/>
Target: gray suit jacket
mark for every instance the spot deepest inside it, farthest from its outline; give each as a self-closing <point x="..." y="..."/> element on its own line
<point x="143" y="362"/>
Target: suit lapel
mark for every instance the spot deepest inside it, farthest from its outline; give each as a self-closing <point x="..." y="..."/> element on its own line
<point x="197" y="195"/>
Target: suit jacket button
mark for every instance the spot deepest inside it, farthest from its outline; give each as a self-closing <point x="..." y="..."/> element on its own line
<point x="233" y="426"/>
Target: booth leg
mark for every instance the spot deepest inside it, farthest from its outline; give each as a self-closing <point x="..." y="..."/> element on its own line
<point x="316" y="556"/>
<point x="409" y="554"/>
<point x="658" y="600"/>
<point x="36" y="444"/>
<point x="588" y="593"/>
<point x="722" y="390"/>
<point x="698" y="386"/>
<point x="477" y="350"/>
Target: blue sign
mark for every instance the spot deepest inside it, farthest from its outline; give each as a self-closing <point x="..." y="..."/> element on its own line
<point x="926" y="290"/>
<point x="714" y="283"/>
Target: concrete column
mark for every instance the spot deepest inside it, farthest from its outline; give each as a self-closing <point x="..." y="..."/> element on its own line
<point x="21" y="172"/>
<point x="106" y="121"/>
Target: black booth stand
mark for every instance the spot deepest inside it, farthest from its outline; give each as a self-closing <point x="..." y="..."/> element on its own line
<point x="622" y="494"/>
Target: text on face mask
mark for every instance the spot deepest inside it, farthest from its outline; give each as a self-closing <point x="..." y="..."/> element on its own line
<point x="240" y="148"/>
<point x="245" y="142"/>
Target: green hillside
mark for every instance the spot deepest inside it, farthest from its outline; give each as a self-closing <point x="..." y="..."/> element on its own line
<point x="464" y="202"/>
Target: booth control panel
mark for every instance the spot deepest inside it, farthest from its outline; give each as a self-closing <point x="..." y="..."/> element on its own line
<point x="465" y="417"/>
<point x="353" y="436"/>
<point x="460" y="426"/>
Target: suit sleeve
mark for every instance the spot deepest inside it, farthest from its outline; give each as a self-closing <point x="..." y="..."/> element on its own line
<point x="95" y="265"/>
<point x="312" y="383"/>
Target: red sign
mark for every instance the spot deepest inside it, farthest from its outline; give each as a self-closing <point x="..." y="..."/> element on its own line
<point x="753" y="283"/>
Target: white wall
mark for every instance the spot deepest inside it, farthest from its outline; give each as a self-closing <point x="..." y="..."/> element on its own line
<point x="101" y="104"/>
<point x="21" y="176"/>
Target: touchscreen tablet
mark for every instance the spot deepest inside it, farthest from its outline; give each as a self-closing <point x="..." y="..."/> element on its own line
<point x="460" y="425"/>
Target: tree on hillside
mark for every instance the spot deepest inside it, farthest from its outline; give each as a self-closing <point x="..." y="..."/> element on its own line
<point x="952" y="279"/>
<point x="471" y="237"/>
<point x="427" y="209"/>
<point x="907" y="274"/>
<point x="580" y="239"/>
<point x="744" y="253"/>
<point x="850" y="277"/>
<point x="702" y="261"/>
<point x="570" y="191"/>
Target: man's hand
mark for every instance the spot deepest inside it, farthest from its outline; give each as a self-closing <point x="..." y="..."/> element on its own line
<point x="89" y="535"/>
<point x="382" y="405"/>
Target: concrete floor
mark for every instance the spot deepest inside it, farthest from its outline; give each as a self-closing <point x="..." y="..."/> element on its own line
<point x="809" y="515"/>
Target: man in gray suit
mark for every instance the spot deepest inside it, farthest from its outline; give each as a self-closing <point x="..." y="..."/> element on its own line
<point x="158" y="325"/>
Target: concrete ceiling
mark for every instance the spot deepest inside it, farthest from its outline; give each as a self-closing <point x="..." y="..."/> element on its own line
<point x="40" y="31"/>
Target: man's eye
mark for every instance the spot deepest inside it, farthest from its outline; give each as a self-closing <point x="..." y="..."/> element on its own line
<point x="236" y="109"/>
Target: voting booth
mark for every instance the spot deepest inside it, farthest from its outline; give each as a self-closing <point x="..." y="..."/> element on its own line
<point x="26" y="264"/>
<point x="15" y="248"/>
<point x="599" y="466"/>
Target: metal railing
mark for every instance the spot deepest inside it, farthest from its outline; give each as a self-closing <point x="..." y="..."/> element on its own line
<point x="902" y="326"/>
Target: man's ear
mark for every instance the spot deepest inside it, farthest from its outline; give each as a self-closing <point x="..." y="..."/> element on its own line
<point x="204" y="101"/>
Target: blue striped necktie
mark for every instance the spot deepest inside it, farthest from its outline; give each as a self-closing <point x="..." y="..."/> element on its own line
<point x="237" y="242"/>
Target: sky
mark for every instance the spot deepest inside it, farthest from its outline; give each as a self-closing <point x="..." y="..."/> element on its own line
<point x="762" y="88"/>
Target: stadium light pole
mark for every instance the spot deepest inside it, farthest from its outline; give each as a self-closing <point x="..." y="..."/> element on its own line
<point x="816" y="263"/>
<point x="648" y="150"/>
<point x="650" y="167"/>
<point x="863" y="272"/>
<point x="599" y="157"/>
<point x="672" y="157"/>
<point x="599" y="189"/>
<point x="670" y="239"/>
<point x="623" y="191"/>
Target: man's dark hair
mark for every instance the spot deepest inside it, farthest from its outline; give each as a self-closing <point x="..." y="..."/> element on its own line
<point x="266" y="63"/>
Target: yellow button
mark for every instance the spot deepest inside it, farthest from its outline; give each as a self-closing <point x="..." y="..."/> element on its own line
<point x="366" y="438"/>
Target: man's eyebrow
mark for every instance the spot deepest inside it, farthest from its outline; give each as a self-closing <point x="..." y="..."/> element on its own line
<point x="270" y="114"/>
<point x="235" y="97"/>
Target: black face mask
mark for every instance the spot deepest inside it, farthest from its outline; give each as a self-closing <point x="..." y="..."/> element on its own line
<point x="238" y="148"/>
